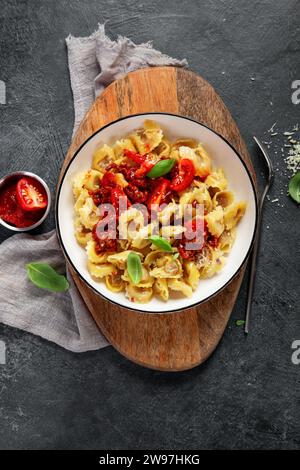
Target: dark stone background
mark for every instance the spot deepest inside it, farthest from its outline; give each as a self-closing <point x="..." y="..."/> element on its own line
<point x="247" y="394"/>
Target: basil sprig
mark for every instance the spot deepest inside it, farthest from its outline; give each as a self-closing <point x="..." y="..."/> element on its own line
<point x="161" y="168"/>
<point x="294" y="187"/>
<point x="161" y="243"/>
<point x="134" y="267"/>
<point x="44" y="276"/>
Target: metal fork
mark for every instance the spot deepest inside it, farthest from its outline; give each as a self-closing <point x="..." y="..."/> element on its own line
<point x="253" y="261"/>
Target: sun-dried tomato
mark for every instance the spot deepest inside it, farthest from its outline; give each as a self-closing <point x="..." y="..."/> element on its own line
<point x="135" y="194"/>
<point x="212" y="241"/>
<point x="158" y="194"/>
<point x="116" y="194"/>
<point x="103" y="194"/>
<point x="195" y="234"/>
<point x="184" y="253"/>
<point x="129" y="173"/>
<point x="183" y="175"/>
<point x="145" y="167"/>
<point x="145" y="162"/>
<point x="108" y="180"/>
<point x="136" y="157"/>
<point x="105" y="245"/>
<point x="105" y="240"/>
<point x="100" y="196"/>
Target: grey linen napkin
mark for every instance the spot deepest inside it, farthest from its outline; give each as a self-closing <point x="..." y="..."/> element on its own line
<point x="94" y="62"/>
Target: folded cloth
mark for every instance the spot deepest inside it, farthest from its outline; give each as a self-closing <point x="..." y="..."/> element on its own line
<point x="94" y="62"/>
<point x="59" y="317"/>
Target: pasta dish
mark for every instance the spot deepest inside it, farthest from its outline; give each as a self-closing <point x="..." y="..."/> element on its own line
<point x="154" y="216"/>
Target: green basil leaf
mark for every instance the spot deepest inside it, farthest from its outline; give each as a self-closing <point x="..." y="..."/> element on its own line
<point x="240" y="322"/>
<point x="161" y="243"/>
<point x="134" y="267"/>
<point x="294" y="187"/>
<point x="161" y="168"/>
<point x="45" y="277"/>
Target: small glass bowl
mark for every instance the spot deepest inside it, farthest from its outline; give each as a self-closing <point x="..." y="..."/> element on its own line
<point x="17" y="175"/>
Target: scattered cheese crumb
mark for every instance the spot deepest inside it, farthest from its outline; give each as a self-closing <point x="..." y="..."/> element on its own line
<point x="275" y="200"/>
<point x="272" y="127"/>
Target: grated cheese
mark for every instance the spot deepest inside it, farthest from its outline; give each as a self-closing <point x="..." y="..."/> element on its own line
<point x="293" y="159"/>
<point x="272" y="127"/>
<point x="289" y="147"/>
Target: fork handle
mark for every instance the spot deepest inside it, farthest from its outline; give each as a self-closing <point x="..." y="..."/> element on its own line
<point x="253" y="271"/>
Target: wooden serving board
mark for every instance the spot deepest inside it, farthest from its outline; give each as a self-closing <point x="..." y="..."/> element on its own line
<point x="170" y="341"/>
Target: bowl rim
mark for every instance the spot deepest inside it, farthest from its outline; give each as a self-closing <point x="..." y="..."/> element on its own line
<point x="60" y="184"/>
<point x="20" y="174"/>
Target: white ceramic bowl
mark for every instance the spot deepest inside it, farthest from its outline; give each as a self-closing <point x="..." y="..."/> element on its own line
<point x="222" y="154"/>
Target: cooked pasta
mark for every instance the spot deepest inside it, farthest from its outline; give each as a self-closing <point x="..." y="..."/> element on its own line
<point x="160" y="202"/>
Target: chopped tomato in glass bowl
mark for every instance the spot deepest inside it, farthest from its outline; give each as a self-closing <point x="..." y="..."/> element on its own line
<point x="24" y="201"/>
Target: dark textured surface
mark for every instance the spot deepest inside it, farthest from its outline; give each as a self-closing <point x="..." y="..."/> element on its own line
<point x="247" y="394"/>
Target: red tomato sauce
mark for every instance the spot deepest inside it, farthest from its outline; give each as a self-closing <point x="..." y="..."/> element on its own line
<point x="10" y="210"/>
